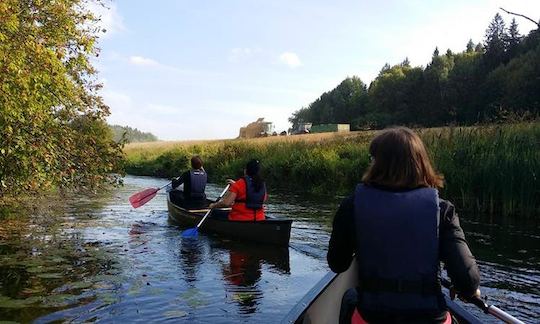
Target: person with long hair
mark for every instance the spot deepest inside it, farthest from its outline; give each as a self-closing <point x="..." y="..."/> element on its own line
<point x="399" y="230"/>
<point x="246" y="195"/>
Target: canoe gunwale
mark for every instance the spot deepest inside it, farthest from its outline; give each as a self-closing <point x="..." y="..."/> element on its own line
<point x="297" y="312"/>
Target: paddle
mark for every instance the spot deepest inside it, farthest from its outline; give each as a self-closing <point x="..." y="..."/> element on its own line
<point x="193" y="232"/>
<point x="142" y="197"/>
<point x="488" y="309"/>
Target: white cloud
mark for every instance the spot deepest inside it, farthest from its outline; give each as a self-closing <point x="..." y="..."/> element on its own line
<point x="239" y="54"/>
<point x="110" y="19"/>
<point x="142" y="61"/>
<point x="291" y="59"/>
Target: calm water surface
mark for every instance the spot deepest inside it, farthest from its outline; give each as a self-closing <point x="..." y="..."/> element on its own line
<point x="101" y="260"/>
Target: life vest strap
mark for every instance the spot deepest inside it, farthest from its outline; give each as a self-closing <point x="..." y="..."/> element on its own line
<point x="375" y="285"/>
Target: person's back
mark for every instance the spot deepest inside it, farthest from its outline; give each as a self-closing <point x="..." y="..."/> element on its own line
<point x="248" y="205"/>
<point x="245" y="196"/>
<point x="194" y="180"/>
<point x="400" y="230"/>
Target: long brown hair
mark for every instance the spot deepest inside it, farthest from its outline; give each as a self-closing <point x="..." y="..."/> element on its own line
<point x="400" y="160"/>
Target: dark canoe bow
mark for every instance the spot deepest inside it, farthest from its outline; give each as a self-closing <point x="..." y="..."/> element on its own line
<point x="322" y="304"/>
<point x="271" y="231"/>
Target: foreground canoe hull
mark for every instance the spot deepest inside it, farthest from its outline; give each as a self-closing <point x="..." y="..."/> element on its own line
<point x="322" y="304"/>
<point x="270" y="231"/>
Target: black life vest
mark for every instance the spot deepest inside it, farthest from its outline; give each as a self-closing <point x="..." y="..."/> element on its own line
<point x="254" y="199"/>
<point x="397" y="250"/>
<point x="198" y="180"/>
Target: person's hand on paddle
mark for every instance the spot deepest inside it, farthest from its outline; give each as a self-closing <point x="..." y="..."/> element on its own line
<point x="175" y="182"/>
<point x="230" y="181"/>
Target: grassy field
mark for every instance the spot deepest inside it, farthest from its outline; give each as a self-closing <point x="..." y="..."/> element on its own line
<point x="492" y="169"/>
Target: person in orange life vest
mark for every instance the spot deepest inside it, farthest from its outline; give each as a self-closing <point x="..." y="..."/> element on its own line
<point x="400" y="230"/>
<point x="246" y="195"/>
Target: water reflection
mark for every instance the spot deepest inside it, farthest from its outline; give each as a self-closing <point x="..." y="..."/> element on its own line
<point x="242" y="272"/>
<point x="191" y="258"/>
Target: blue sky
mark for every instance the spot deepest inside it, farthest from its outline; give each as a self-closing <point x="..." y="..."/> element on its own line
<point x="201" y="69"/>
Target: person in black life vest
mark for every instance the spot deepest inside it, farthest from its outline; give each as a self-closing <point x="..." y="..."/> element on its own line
<point x="399" y="230"/>
<point x="246" y="195"/>
<point x="194" y="181"/>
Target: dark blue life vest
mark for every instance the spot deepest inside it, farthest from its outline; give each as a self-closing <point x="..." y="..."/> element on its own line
<point x="254" y="199"/>
<point x="397" y="250"/>
<point x="198" y="180"/>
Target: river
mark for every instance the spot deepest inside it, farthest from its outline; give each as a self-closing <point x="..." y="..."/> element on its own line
<point x="98" y="259"/>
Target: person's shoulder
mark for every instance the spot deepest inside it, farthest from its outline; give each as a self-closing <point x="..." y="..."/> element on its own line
<point x="238" y="185"/>
<point x="445" y="204"/>
<point x="447" y="210"/>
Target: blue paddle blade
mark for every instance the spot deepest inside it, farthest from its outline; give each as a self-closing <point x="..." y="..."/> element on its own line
<point x="190" y="232"/>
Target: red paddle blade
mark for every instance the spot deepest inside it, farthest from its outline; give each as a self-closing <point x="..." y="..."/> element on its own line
<point x="141" y="198"/>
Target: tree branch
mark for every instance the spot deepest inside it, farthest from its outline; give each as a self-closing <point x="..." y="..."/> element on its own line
<point x="520" y="15"/>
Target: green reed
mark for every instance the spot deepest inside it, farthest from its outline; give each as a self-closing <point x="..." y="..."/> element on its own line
<point x="490" y="169"/>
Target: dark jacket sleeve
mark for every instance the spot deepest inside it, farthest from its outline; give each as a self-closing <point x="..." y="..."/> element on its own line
<point x="180" y="180"/>
<point x="455" y="253"/>
<point x="342" y="239"/>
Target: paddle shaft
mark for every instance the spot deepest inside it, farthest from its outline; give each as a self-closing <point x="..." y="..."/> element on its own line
<point x="488" y="309"/>
<point x="208" y="212"/>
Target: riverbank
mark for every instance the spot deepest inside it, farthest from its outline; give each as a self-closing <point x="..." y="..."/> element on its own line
<point x="490" y="169"/>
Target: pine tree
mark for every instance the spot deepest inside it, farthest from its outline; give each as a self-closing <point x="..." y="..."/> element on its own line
<point x="470" y="46"/>
<point x="513" y="38"/>
<point x="406" y="62"/>
<point x="495" y="42"/>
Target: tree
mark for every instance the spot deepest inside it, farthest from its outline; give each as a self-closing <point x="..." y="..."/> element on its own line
<point x="470" y="46"/>
<point x="340" y="105"/>
<point x="513" y="38"/>
<point x="406" y="62"/>
<point x="479" y="48"/>
<point x="495" y="43"/>
<point x="52" y="131"/>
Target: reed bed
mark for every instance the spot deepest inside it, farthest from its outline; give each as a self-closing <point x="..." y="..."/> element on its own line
<point x="489" y="169"/>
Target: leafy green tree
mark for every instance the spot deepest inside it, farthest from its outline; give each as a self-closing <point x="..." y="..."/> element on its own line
<point x="392" y="97"/>
<point x="51" y="116"/>
<point x="340" y="105"/>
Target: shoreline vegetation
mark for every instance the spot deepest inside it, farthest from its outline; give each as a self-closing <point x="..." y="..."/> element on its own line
<point x="489" y="169"/>
<point x="53" y="134"/>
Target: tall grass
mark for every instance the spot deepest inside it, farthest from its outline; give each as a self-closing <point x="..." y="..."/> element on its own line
<point x="491" y="169"/>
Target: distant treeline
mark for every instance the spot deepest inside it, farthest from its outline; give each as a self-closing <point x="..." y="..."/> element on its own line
<point x="131" y="135"/>
<point x="496" y="80"/>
